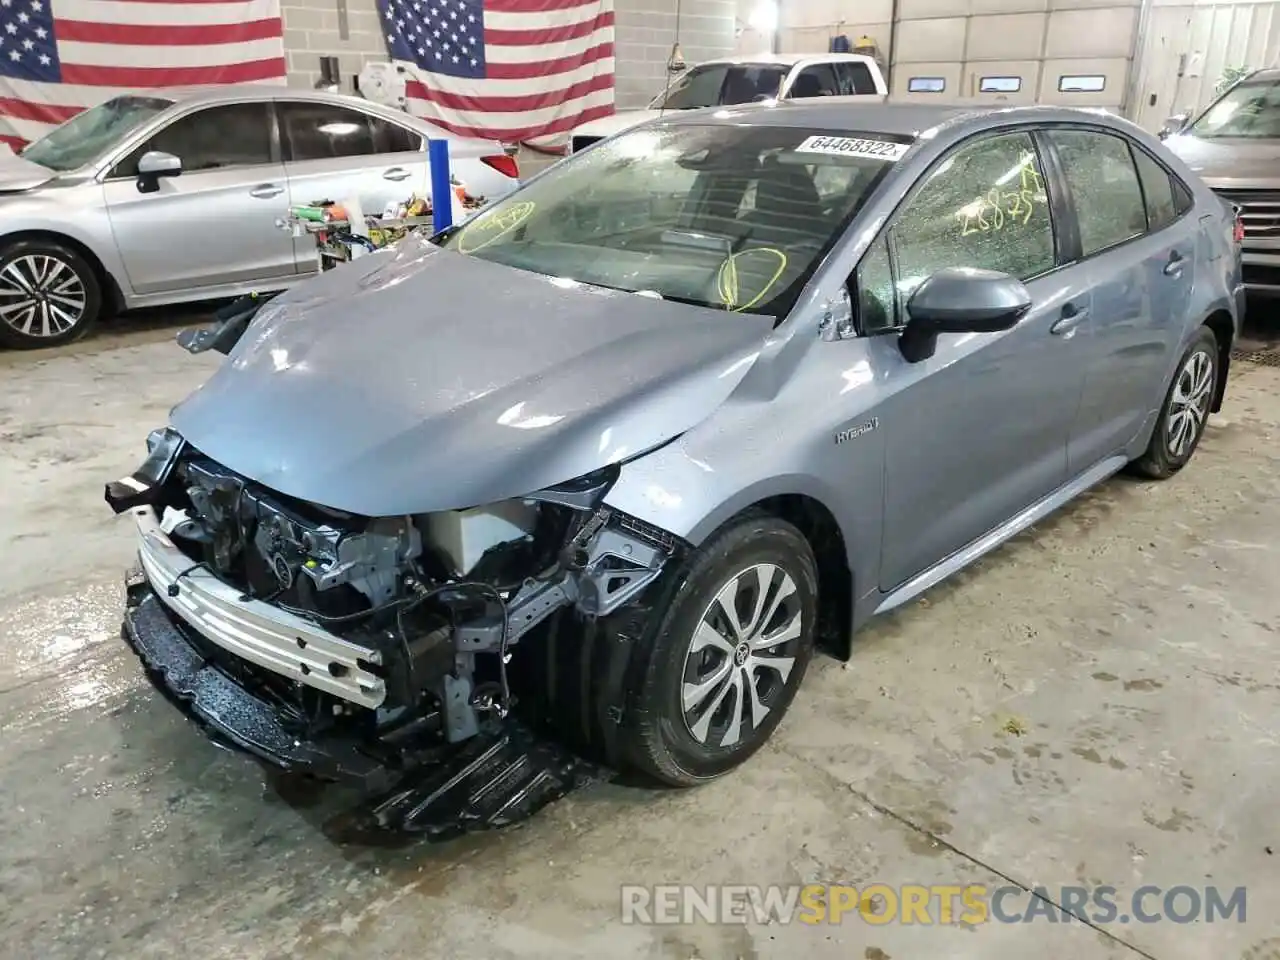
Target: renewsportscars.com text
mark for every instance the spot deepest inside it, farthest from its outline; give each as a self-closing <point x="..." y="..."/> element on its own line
<point x="942" y="904"/>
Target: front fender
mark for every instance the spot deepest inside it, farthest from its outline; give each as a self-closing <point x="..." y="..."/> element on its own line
<point x="77" y="213"/>
<point x="676" y="491"/>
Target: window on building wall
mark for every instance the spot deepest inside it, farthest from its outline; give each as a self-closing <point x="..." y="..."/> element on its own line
<point x="999" y="84"/>
<point x="1082" y="84"/>
<point x="926" y="85"/>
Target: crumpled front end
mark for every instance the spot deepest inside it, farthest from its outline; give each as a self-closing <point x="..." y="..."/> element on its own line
<point x="383" y="651"/>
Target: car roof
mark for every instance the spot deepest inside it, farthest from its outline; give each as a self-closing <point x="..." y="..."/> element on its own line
<point x="880" y="115"/>
<point x="784" y="59"/>
<point x="235" y="92"/>
<point x="1266" y="73"/>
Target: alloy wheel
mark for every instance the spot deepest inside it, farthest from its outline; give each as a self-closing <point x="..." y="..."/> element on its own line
<point x="41" y="296"/>
<point x="1189" y="406"/>
<point x="740" y="656"/>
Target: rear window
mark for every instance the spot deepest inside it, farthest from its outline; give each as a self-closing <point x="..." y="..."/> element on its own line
<point x="735" y="218"/>
<point x="722" y="84"/>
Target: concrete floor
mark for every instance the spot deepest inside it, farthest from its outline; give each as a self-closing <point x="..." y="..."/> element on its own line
<point x="1099" y="702"/>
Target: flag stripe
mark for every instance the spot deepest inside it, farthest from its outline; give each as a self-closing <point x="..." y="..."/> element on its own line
<point x="167" y="12"/>
<point x="519" y="123"/>
<point x="159" y="77"/>
<point x="512" y="104"/>
<point x="44" y="113"/>
<point x="535" y="8"/>
<point x="109" y="34"/>
<point x="149" y="56"/>
<point x="513" y="134"/>
<point x="539" y="35"/>
<point x="502" y="20"/>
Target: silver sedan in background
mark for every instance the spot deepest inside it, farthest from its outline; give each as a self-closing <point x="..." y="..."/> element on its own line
<point x="153" y="199"/>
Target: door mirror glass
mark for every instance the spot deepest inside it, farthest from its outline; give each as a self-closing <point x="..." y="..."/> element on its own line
<point x="157" y="163"/>
<point x="1174" y="124"/>
<point x="961" y="300"/>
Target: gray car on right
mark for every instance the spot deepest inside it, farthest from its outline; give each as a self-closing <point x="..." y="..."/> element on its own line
<point x="1234" y="146"/>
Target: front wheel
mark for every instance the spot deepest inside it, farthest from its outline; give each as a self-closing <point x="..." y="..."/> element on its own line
<point x="1185" y="412"/>
<point x="49" y="295"/>
<point x="723" y="663"/>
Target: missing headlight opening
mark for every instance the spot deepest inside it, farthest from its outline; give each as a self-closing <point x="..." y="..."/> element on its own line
<point x="395" y="651"/>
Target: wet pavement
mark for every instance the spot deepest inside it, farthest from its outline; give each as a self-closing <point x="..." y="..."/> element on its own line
<point x="1098" y="703"/>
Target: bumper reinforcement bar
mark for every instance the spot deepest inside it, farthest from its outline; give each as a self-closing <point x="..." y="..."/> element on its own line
<point x="490" y="781"/>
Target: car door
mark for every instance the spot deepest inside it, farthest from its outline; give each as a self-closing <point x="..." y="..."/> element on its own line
<point x="1139" y="254"/>
<point x="215" y="223"/>
<point x="334" y="152"/>
<point x="978" y="432"/>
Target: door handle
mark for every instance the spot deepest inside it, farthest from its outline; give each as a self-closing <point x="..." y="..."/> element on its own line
<point x="265" y="191"/>
<point x="396" y="173"/>
<point x="1174" y="267"/>
<point x="1070" y="319"/>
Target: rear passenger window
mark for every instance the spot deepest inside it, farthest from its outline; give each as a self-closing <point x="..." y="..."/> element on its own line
<point x="984" y="206"/>
<point x="1104" y="186"/>
<point x="816" y="81"/>
<point x="1157" y="188"/>
<point x="855" y="78"/>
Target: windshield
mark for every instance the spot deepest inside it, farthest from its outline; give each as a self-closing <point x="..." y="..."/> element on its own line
<point x="1249" y="109"/>
<point x="731" y="217"/>
<point x="722" y="84"/>
<point x="87" y="135"/>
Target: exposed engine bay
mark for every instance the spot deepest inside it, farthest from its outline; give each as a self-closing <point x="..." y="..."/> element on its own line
<point x="392" y="634"/>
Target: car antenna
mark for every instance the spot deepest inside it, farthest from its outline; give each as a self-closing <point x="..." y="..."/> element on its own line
<point x="675" y="62"/>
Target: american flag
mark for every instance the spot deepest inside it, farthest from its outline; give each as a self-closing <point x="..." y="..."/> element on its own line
<point x="509" y="70"/>
<point x="58" y="57"/>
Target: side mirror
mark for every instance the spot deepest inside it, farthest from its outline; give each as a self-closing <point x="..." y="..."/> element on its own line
<point x="1175" y="124"/>
<point x="153" y="165"/>
<point x="961" y="300"/>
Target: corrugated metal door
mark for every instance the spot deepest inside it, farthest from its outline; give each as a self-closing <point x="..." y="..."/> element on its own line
<point x="1188" y="49"/>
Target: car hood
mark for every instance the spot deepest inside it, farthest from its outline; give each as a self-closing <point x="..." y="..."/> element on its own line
<point x="1230" y="163"/>
<point x="422" y="380"/>
<point x="615" y="123"/>
<point x="17" y="174"/>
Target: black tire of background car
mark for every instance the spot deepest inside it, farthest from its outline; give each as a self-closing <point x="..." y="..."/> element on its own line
<point x="14" y="339"/>
<point x="1158" y="461"/>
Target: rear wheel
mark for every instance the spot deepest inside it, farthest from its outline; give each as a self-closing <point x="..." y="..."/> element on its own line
<point x="49" y="295"/>
<point x="1185" y="412"/>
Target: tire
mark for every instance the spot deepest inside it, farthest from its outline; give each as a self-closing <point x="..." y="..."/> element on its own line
<point x="1185" y="411"/>
<point x="686" y="747"/>
<point x="49" y="295"/>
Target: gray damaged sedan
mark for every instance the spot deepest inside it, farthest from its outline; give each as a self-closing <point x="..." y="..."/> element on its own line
<point x="593" y="475"/>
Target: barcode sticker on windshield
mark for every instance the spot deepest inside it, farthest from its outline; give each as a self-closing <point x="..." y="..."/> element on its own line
<point x="854" y="147"/>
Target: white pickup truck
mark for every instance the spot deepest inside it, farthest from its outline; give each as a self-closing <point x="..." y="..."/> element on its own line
<point x="745" y="79"/>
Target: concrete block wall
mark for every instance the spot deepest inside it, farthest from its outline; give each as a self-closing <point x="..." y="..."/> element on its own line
<point x="347" y="29"/>
<point x="645" y="32"/>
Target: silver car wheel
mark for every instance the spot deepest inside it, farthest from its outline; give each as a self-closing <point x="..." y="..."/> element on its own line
<point x="41" y="296"/>
<point x="740" y="655"/>
<point x="1189" y="406"/>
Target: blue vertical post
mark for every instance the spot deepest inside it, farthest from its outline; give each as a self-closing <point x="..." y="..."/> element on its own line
<point x="441" y="188"/>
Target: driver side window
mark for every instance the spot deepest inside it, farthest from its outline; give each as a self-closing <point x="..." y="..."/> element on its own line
<point x="983" y="206"/>
<point x="234" y="135"/>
